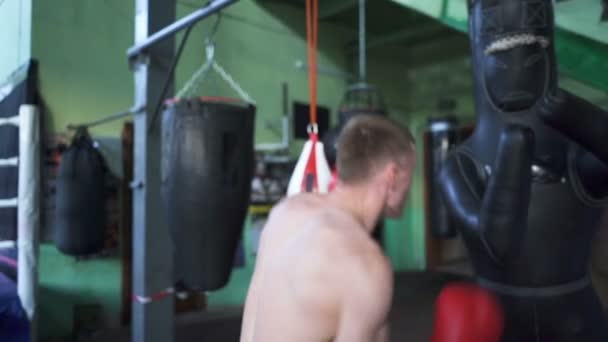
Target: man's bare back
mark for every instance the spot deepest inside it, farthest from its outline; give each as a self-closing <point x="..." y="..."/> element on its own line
<point x="319" y="276"/>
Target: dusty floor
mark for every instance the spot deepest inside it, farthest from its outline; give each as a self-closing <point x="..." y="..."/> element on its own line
<point x="411" y="316"/>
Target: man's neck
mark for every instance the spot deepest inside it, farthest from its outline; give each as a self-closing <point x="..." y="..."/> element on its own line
<point x="362" y="202"/>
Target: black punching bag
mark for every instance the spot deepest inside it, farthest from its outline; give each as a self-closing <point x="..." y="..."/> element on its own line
<point x="443" y="137"/>
<point x="207" y="166"/>
<point x="80" y="200"/>
<point x="361" y="98"/>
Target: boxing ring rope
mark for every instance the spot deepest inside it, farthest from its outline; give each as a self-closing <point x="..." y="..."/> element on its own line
<point x="27" y="203"/>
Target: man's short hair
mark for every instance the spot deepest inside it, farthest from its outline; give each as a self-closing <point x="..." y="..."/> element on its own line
<point x="369" y="142"/>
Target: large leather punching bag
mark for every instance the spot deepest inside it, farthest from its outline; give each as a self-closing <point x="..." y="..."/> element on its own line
<point x="207" y="166"/>
<point x="80" y="199"/>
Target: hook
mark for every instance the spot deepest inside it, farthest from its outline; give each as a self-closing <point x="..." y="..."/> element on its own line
<point x="210" y="50"/>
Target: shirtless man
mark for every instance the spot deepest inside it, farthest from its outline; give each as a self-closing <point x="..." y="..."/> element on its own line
<point x="319" y="275"/>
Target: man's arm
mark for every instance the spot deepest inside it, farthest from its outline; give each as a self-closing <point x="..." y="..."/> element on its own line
<point x="384" y="333"/>
<point x="366" y="301"/>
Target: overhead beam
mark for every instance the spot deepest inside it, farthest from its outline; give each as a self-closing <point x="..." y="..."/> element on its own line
<point x="329" y="8"/>
<point x="401" y="36"/>
<point x="170" y="30"/>
<point x="437" y="51"/>
<point x="405" y="35"/>
<point x="422" y="54"/>
<point x="579" y="57"/>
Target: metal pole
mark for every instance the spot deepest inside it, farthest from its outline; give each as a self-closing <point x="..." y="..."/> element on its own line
<point x="153" y="319"/>
<point x="362" y="57"/>
<point x="169" y="31"/>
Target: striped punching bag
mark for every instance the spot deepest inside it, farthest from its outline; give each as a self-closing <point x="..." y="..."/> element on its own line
<point x="207" y="166"/>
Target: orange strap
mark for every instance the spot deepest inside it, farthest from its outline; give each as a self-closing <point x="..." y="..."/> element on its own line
<point x="312" y="15"/>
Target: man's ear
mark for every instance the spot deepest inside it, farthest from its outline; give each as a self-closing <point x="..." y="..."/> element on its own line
<point x="391" y="173"/>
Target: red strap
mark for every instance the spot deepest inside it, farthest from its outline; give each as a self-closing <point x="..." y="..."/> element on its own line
<point x="310" y="183"/>
<point x="312" y="14"/>
<point x="153" y="298"/>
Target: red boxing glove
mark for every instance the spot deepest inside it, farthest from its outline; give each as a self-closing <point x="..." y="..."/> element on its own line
<point x="467" y="313"/>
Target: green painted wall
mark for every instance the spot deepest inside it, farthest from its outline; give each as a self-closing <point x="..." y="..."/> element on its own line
<point x="84" y="71"/>
<point x="580" y="39"/>
<point x="15" y="34"/>
<point x="427" y="84"/>
<point x="84" y="75"/>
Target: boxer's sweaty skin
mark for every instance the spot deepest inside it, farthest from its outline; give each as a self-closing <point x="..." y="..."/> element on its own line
<point x="319" y="277"/>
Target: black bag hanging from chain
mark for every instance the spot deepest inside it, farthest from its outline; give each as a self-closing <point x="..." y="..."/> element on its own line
<point x="80" y="200"/>
<point x="207" y="166"/>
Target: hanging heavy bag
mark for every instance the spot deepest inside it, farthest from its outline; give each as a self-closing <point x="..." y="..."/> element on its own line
<point x="361" y="98"/>
<point x="80" y="198"/>
<point x="207" y="166"/>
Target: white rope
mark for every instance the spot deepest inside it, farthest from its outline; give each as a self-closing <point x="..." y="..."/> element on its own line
<point x="14" y="161"/>
<point x="235" y="86"/>
<point x="13" y="120"/>
<point x="5" y="90"/>
<point x="194" y="83"/>
<point x="510" y="42"/>
<point x="8" y="244"/>
<point x="8" y="203"/>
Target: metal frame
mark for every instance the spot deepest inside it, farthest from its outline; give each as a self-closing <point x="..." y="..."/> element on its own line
<point x="171" y="30"/>
<point x="152" y="249"/>
<point x="153" y="320"/>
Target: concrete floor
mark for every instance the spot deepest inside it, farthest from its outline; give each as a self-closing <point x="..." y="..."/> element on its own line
<point x="411" y="316"/>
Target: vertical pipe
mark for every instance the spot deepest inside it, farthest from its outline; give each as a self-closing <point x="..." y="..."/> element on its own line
<point x="362" y="55"/>
<point x="152" y="321"/>
<point x="28" y="213"/>
<point x="126" y="223"/>
<point x="285" y="121"/>
<point x="285" y="99"/>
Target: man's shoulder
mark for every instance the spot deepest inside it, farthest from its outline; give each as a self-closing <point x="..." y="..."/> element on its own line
<point x="295" y="202"/>
<point x="371" y="261"/>
<point x="372" y="273"/>
<point x="358" y="252"/>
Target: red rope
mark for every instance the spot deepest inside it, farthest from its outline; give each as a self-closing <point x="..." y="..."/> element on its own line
<point x="312" y="15"/>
